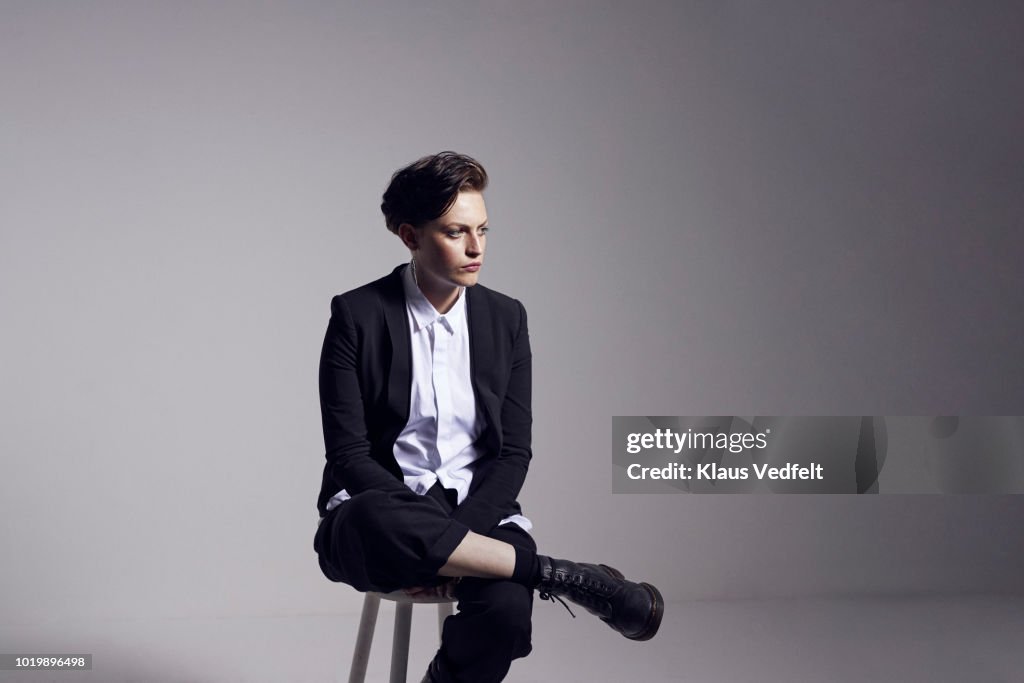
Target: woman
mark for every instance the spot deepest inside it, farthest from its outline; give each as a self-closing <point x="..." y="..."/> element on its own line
<point x="425" y="398"/>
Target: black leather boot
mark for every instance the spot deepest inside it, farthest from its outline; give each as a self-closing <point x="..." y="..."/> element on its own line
<point x="632" y="609"/>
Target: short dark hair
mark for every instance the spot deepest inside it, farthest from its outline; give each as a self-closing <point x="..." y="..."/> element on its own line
<point x="426" y="188"/>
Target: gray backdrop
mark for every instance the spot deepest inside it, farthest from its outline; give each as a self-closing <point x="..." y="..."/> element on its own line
<point x="707" y="208"/>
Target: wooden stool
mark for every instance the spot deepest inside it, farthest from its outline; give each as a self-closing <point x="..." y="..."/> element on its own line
<point x="403" y="626"/>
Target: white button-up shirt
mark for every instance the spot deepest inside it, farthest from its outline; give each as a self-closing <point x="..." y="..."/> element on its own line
<point x="439" y="440"/>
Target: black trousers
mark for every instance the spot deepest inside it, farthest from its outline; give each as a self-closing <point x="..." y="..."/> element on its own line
<point x="383" y="541"/>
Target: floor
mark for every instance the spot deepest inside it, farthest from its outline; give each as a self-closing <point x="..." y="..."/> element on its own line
<point x="939" y="639"/>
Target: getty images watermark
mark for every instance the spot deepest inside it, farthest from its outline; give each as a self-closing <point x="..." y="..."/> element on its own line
<point x="834" y="454"/>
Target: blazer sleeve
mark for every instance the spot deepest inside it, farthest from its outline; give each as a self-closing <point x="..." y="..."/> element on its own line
<point x="494" y="497"/>
<point x="341" y="407"/>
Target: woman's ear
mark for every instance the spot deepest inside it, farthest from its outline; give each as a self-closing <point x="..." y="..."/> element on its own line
<point x="409" y="236"/>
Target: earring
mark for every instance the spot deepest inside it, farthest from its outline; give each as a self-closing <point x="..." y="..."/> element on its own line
<point x="412" y="265"/>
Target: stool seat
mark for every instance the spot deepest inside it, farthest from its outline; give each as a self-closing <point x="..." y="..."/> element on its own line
<point x="403" y="627"/>
<point x="402" y="596"/>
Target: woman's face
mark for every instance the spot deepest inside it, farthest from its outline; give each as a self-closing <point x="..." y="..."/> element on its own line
<point x="449" y="250"/>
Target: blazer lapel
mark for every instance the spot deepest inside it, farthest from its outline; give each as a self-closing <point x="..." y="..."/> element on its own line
<point x="478" y="316"/>
<point x="400" y="375"/>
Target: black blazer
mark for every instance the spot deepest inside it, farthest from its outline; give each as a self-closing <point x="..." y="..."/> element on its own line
<point x="366" y="381"/>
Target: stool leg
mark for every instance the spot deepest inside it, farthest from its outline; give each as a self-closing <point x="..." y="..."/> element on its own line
<point x="444" y="610"/>
<point x="400" y="646"/>
<point x="364" y="639"/>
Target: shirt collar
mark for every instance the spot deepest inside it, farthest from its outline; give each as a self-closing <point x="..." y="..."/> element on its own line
<point x="423" y="312"/>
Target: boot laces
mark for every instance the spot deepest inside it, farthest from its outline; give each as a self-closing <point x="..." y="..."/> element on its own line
<point x="544" y="595"/>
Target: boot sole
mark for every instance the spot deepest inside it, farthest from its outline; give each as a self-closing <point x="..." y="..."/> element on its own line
<point x="657" y="607"/>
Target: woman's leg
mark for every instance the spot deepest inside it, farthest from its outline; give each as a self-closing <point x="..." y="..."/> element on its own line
<point x="493" y="624"/>
<point x="387" y="540"/>
<point x="481" y="557"/>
